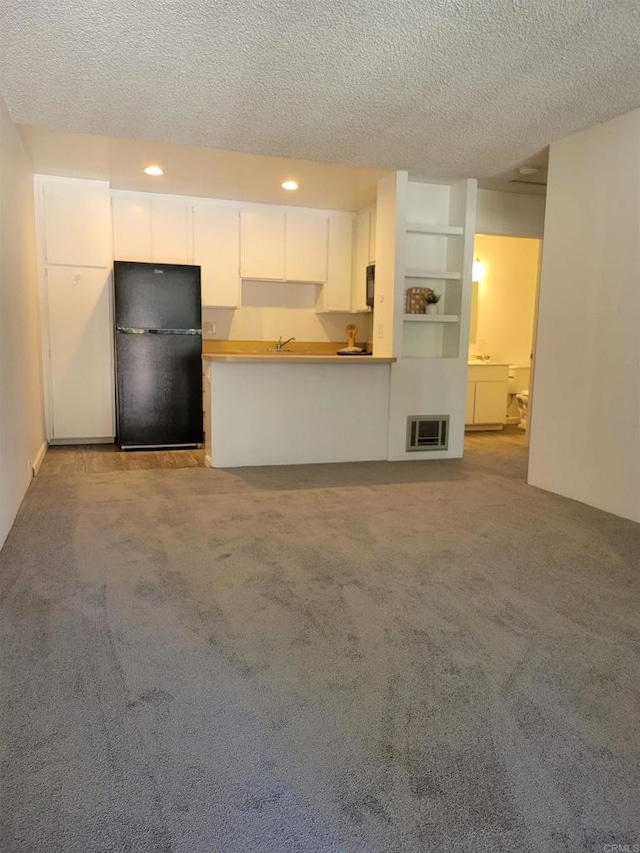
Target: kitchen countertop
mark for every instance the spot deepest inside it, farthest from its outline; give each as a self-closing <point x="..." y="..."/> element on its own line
<point x="292" y="357"/>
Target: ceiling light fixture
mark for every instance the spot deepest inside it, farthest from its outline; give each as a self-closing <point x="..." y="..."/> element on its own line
<point x="528" y="170"/>
<point x="156" y="171"/>
<point x="289" y="185"/>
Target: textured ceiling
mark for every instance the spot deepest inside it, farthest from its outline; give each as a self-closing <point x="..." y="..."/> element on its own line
<point x="443" y="88"/>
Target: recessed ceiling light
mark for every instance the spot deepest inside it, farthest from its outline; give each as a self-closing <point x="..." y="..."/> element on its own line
<point x="528" y="170"/>
<point x="289" y="185"/>
<point x="154" y="170"/>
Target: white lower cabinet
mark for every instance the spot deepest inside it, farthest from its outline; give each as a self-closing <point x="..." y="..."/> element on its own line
<point x="81" y="353"/>
<point x="216" y="250"/>
<point x="486" y="399"/>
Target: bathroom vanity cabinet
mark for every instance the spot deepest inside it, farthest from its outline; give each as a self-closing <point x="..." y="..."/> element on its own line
<point x="486" y="400"/>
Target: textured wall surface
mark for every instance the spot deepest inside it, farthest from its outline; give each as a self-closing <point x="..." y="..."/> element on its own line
<point x="441" y="88"/>
<point x="21" y="407"/>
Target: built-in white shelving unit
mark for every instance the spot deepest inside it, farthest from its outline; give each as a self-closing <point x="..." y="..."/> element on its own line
<point x="435" y="231"/>
<point x="431" y="318"/>
<point x="436" y="240"/>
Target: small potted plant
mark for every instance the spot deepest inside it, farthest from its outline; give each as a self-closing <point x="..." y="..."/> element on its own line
<point x="432" y="298"/>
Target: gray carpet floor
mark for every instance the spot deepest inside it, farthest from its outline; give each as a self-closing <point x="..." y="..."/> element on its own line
<point x="370" y="658"/>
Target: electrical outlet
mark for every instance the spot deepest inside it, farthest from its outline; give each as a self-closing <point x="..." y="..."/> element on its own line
<point x="380" y="330"/>
<point x="209" y="328"/>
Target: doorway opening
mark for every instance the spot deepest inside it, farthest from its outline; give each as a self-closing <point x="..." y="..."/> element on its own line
<point x="501" y="339"/>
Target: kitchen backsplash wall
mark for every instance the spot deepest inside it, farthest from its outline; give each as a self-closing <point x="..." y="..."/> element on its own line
<point x="273" y="309"/>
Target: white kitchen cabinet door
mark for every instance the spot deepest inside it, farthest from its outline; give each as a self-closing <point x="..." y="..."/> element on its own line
<point x="81" y="348"/>
<point x="216" y="249"/>
<point x="77" y="223"/>
<point x="131" y="213"/>
<point x="170" y="221"/>
<point x="336" y="292"/>
<point x="470" y="403"/>
<point x="306" y="245"/>
<point x="262" y="233"/>
<point x="490" y="403"/>
<point x="360" y="261"/>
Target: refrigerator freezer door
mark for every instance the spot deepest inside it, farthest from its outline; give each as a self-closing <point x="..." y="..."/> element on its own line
<point x="159" y="390"/>
<point x="157" y="296"/>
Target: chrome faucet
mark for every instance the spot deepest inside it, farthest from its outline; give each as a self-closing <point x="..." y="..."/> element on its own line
<point x="280" y="344"/>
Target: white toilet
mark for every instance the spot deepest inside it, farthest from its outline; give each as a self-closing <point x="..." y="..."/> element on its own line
<point x="518" y="388"/>
<point x="523" y="408"/>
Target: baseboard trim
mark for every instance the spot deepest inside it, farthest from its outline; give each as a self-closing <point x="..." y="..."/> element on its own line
<point x="67" y="441"/>
<point x="37" y="462"/>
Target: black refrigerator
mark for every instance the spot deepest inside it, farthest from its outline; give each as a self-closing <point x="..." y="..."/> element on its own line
<point x="158" y="332"/>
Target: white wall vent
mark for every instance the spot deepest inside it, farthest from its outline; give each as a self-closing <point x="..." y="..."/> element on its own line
<point x="427" y="432"/>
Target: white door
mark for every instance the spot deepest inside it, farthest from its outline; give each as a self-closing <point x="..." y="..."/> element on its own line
<point x="170" y="231"/>
<point x="216" y="249"/>
<point x="77" y="223"/>
<point x="81" y="349"/>
<point x="131" y="214"/>
<point x="262" y="243"/>
<point x="305" y="243"/>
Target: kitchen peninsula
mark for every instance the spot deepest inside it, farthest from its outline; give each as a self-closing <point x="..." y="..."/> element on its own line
<point x="290" y="408"/>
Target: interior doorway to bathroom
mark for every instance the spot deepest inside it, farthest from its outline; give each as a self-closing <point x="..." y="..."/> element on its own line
<point x="503" y="309"/>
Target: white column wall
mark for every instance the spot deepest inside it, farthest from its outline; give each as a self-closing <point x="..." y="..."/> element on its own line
<point x="22" y="442"/>
<point x="585" y="419"/>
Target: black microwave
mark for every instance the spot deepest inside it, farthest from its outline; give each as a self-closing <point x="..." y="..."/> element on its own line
<point x="371" y="282"/>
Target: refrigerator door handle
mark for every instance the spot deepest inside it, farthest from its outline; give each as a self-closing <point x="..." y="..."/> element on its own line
<point x="129" y="330"/>
<point x="175" y="331"/>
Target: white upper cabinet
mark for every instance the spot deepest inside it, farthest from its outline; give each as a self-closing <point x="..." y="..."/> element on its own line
<point x="361" y="258"/>
<point x="262" y="253"/>
<point x="170" y="227"/>
<point x="306" y="245"/>
<point x="151" y="228"/>
<point x="216" y="249"/>
<point x="336" y="293"/>
<point x="284" y="244"/>
<point x="81" y="351"/>
<point x="131" y="226"/>
<point x="77" y="223"/>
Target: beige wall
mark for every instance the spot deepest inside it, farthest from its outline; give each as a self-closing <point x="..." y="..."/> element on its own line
<point x="510" y="214"/>
<point x="21" y="407"/>
<point x="585" y="418"/>
<point x="506" y="297"/>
